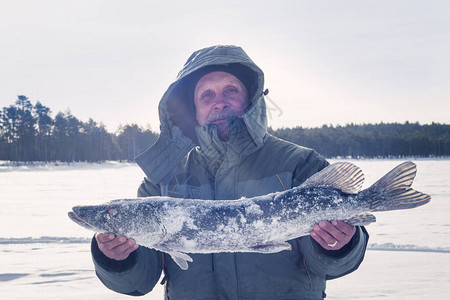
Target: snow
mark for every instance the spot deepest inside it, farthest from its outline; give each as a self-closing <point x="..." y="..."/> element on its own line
<point x="44" y="255"/>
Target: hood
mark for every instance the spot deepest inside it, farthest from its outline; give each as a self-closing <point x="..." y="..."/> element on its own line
<point x="179" y="129"/>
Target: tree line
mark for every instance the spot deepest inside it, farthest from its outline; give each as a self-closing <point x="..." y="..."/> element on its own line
<point x="383" y="140"/>
<point x="29" y="133"/>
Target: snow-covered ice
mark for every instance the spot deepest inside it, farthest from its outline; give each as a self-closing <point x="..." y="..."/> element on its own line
<point x="44" y="255"/>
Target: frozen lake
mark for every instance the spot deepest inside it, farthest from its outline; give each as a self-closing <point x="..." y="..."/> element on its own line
<point x="44" y="255"/>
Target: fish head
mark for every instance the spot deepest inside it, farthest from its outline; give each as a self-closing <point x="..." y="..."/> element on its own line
<point x="98" y="218"/>
<point x="134" y="220"/>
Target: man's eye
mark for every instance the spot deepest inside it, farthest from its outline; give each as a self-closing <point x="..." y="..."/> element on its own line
<point x="207" y="95"/>
<point x="230" y="91"/>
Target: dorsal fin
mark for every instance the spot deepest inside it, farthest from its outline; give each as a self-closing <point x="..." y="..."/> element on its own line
<point x="343" y="176"/>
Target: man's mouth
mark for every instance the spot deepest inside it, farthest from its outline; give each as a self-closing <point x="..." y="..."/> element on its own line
<point x="220" y="121"/>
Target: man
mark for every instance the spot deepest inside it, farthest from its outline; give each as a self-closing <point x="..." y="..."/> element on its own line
<point x="214" y="145"/>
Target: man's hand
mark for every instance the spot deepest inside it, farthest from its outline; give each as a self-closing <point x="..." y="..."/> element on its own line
<point x="115" y="247"/>
<point x="334" y="235"/>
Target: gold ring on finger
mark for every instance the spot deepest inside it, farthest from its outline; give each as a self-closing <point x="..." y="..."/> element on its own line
<point x="333" y="245"/>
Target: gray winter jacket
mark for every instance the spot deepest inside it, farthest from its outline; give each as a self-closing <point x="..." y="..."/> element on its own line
<point x="190" y="161"/>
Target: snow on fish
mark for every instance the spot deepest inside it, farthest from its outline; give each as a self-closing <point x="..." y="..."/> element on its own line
<point x="261" y="224"/>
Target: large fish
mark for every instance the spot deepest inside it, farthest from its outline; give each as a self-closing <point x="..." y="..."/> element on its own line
<point x="260" y="224"/>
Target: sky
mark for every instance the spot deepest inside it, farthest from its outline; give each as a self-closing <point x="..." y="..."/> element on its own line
<point x="325" y="62"/>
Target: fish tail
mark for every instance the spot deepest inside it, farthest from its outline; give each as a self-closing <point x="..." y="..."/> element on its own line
<point x="393" y="191"/>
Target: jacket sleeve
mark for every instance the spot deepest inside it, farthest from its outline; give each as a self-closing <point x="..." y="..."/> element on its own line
<point x="136" y="275"/>
<point x="334" y="264"/>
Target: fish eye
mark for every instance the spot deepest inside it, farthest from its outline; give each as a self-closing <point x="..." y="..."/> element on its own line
<point x="111" y="213"/>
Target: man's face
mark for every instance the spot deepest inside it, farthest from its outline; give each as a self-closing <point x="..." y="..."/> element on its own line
<point x="219" y="95"/>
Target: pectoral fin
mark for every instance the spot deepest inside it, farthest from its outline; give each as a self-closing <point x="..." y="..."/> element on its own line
<point x="361" y="219"/>
<point x="181" y="259"/>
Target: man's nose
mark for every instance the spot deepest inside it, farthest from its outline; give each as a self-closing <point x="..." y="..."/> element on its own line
<point x="220" y="103"/>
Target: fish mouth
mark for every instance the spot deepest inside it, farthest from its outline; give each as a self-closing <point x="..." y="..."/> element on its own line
<point x="73" y="216"/>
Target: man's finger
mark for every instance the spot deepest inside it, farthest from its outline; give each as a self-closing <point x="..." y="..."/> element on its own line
<point x="117" y="241"/>
<point x="333" y="231"/>
<point x="347" y="229"/>
<point x="123" y="251"/>
<point x="123" y="248"/>
<point x="322" y="242"/>
<point x="324" y="234"/>
<point x="104" y="237"/>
